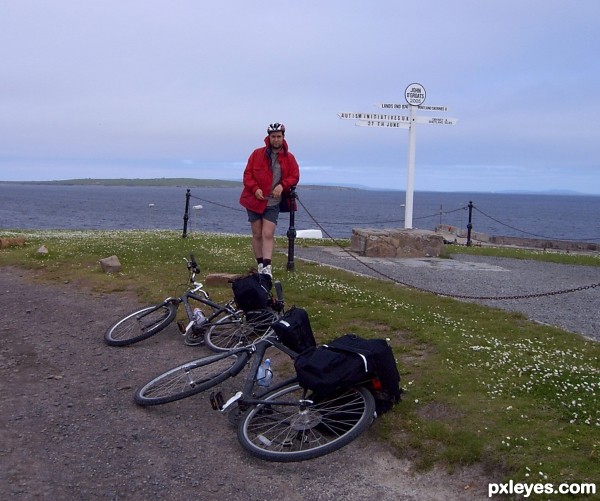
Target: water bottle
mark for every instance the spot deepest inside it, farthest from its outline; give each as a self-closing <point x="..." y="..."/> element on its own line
<point x="265" y="374"/>
<point x="199" y="317"/>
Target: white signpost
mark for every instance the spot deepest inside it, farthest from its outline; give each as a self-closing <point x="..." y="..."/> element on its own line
<point x="415" y="97"/>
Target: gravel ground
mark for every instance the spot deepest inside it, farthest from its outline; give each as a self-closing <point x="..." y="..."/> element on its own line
<point x="483" y="276"/>
<point x="69" y="429"/>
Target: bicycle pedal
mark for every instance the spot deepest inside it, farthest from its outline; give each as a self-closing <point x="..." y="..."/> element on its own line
<point x="181" y="326"/>
<point x="216" y="401"/>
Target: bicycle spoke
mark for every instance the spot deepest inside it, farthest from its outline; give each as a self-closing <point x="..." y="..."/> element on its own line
<point x="190" y="378"/>
<point x="284" y="431"/>
<point x="234" y="331"/>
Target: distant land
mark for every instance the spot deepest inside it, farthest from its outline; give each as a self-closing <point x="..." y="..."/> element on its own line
<point x="221" y="183"/>
<point x="163" y="181"/>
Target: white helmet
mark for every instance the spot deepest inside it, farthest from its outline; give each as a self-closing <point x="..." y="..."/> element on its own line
<point x="276" y="127"/>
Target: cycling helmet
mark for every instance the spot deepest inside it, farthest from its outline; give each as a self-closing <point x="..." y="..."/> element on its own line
<point x="276" y="127"/>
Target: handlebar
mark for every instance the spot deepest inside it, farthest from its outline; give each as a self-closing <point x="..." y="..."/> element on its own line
<point x="278" y="290"/>
<point x="192" y="265"/>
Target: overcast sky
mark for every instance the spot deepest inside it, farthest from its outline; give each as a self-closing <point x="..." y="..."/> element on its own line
<point x="186" y="88"/>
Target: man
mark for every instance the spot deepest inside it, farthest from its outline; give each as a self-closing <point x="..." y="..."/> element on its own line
<point x="271" y="171"/>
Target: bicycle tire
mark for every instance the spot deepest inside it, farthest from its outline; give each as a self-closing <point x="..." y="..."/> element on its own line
<point x="190" y="378"/>
<point x="286" y="433"/>
<point x="140" y="325"/>
<point x="238" y="329"/>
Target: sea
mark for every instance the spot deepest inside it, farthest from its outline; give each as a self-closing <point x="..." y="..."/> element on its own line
<point x="335" y="211"/>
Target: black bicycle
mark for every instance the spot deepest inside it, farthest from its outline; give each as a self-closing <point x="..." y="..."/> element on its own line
<point x="219" y="326"/>
<point x="282" y="423"/>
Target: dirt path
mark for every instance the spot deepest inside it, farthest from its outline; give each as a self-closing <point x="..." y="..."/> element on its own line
<point x="69" y="428"/>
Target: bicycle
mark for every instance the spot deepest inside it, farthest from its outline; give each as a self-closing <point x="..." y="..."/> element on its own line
<point x="283" y="423"/>
<point x="222" y="328"/>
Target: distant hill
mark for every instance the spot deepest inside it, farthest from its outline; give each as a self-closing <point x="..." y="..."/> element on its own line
<point x="221" y="183"/>
<point x="163" y="181"/>
<point x="539" y="192"/>
<point x="188" y="182"/>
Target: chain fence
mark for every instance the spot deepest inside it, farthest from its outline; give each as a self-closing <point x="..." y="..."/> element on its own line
<point x="320" y="226"/>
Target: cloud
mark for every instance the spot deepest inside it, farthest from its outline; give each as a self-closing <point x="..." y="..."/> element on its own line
<point x="137" y="86"/>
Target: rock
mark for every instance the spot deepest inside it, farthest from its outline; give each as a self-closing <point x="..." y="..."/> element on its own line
<point x="42" y="250"/>
<point x="5" y="243"/>
<point x="371" y="242"/>
<point x="220" y="278"/>
<point x="110" y="264"/>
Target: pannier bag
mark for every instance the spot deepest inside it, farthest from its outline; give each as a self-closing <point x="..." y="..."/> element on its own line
<point x="351" y="360"/>
<point x="252" y="292"/>
<point x="294" y="331"/>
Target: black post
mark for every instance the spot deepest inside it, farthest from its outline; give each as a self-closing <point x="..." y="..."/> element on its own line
<point x="186" y="214"/>
<point x="291" y="233"/>
<point x="469" y="224"/>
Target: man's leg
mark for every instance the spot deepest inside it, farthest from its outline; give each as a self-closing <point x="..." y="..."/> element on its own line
<point x="268" y="239"/>
<point x="257" y="237"/>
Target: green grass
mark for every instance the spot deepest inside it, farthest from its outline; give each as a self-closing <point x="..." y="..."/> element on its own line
<point x="561" y="257"/>
<point x="481" y="384"/>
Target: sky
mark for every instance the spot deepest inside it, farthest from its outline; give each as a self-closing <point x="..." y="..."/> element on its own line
<point x="186" y="88"/>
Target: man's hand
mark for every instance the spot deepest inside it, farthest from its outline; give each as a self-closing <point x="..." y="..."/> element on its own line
<point x="259" y="194"/>
<point x="277" y="191"/>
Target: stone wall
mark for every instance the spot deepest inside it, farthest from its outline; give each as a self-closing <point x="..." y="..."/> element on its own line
<point x="372" y="242"/>
<point x="452" y="233"/>
<point x="537" y="243"/>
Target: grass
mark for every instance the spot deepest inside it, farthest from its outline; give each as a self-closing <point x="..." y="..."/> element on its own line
<point x="481" y="384"/>
<point x="561" y="257"/>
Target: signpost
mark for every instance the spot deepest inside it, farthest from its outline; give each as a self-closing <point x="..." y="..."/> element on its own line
<point x="415" y="96"/>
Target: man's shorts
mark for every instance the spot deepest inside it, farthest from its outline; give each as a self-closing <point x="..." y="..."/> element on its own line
<point x="271" y="213"/>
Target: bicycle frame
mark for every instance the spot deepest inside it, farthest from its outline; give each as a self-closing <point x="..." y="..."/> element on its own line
<point x="217" y="309"/>
<point x="246" y="396"/>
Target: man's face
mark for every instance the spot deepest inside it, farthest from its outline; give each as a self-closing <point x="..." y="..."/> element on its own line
<point x="276" y="139"/>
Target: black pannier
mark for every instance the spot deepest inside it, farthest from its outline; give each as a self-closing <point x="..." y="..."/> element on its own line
<point x="252" y="292"/>
<point x="294" y="331"/>
<point x="351" y="360"/>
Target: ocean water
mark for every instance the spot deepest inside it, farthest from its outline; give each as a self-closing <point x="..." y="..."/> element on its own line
<point x="335" y="211"/>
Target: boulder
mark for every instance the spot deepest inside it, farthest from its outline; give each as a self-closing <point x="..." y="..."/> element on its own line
<point x="110" y="264"/>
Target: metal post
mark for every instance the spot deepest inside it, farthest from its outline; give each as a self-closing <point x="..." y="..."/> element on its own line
<point x="186" y="214"/>
<point x="410" y="181"/>
<point x="469" y="224"/>
<point x="291" y="233"/>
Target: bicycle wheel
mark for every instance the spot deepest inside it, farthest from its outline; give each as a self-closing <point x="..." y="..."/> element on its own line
<point x="238" y="329"/>
<point x="140" y="324"/>
<point x="286" y="430"/>
<point x="191" y="378"/>
<point x="197" y="335"/>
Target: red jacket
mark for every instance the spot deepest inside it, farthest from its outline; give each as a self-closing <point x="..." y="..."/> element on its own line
<point x="257" y="174"/>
